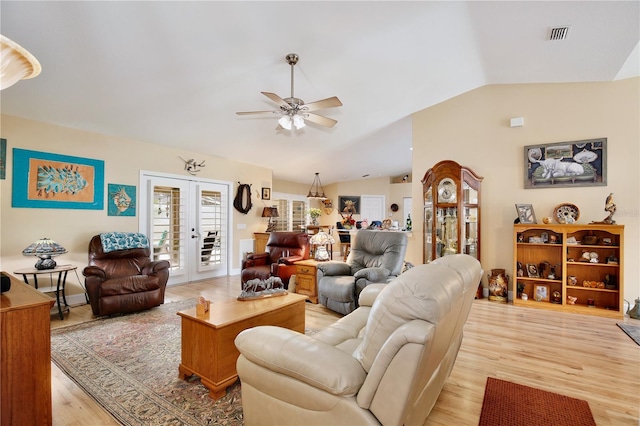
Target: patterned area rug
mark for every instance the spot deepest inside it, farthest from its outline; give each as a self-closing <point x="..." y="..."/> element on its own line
<point x="129" y="365"/>
<point x="632" y="331"/>
<point x="511" y="404"/>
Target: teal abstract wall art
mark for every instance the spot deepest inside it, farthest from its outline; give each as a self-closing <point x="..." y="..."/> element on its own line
<point x="46" y="180"/>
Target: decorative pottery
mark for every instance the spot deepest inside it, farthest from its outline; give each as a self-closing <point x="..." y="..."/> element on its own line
<point x="498" y="286"/>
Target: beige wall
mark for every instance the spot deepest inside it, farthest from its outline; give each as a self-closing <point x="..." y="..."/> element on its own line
<point x="124" y="159"/>
<point x="473" y="129"/>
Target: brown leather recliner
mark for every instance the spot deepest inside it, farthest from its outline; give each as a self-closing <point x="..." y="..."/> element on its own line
<point x="283" y="249"/>
<point x="123" y="281"/>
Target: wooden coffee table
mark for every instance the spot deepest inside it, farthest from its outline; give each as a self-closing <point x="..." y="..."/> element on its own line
<point x="208" y="348"/>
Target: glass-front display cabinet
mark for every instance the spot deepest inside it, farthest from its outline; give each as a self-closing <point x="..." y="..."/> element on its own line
<point x="451" y="211"/>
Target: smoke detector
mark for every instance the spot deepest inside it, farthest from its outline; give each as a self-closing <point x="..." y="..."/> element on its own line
<point x="559" y="33"/>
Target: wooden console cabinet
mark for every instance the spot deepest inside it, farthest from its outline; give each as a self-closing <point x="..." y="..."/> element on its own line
<point x="25" y="352"/>
<point x="585" y="263"/>
<point x="261" y="239"/>
<point x="306" y="271"/>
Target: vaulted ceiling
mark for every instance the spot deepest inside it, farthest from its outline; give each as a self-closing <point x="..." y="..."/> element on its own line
<point x="175" y="73"/>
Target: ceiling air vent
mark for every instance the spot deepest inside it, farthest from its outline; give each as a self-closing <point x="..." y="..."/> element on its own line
<point x="559" y="33"/>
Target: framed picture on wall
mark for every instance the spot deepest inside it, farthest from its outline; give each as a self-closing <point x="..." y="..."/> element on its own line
<point x="348" y="204"/>
<point x="54" y="181"/>
<point x="266" y="193"/>
<point x="121" y="200"/>
<point x="3" y="158"/>
<point x="566" y="164"/>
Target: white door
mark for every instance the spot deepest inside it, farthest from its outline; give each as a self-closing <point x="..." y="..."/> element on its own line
<point x="372" y="208"/>
<point x="188" y="224"/>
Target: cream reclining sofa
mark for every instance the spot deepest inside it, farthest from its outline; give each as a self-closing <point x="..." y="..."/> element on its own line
<point x="384" y="363"/>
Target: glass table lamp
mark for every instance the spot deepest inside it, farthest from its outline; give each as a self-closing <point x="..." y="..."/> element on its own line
<point x="45" y="249"/>
<point x="320" y="241"/>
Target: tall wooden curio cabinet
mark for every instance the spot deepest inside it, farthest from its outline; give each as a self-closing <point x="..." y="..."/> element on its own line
<point x="451" y="211"/>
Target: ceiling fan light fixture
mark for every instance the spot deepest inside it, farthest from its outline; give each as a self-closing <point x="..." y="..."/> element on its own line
<point x="16" y="63"/>
<point x="293" y="111"/>
<point x="298" y="121"/>
<point x="285" y="122"/>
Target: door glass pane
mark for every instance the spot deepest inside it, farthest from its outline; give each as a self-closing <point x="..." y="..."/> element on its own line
<point x="298" y="218"/>
<point x="291" y="215"/>
<point x="428" y="227"/>
<point x="470" y="195"/>
<point x="168" y="225"/>
<point x="470" y="231"/>
<point x="282" y="220"/>
<point x="211" y="227"/>
<point x="447" y="231"/>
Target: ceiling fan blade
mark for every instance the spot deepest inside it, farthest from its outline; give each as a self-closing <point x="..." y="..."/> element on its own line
<point x="319" y="119"/>
<point x="322" y="104"/>
<point x="256" y="112"/>
<point x="277" y="99"/>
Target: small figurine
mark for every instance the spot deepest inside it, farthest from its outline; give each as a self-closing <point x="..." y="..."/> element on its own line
<point x="571" y="300"/>
<point x="610" y="282"/>
<point x="552" y="274"/>
<point x="609" y="206"/>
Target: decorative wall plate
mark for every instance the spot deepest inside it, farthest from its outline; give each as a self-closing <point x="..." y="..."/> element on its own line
<point x="566" y="213"/>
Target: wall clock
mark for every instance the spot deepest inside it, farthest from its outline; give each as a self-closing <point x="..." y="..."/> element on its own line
<point x="447" y="191"/>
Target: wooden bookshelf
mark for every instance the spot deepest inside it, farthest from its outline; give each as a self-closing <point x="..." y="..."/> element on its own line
<point x="584" y="262"/>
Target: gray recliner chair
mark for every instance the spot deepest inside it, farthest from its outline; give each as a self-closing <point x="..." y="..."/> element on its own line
<point x="375" y="257"/>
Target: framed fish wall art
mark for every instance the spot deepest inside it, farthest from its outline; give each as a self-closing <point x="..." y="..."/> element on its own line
<point x="121" y="200"/>
<point x="54" y="181"/>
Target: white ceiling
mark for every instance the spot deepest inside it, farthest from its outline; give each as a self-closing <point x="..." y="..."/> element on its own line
<point x="175" y="73"/>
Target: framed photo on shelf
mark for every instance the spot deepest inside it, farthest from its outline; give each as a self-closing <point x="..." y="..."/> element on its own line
<point x="526" y="213"/>
<point x="541" y="292"/>
<point x="566" y="164"/>
<point x="532" y="271"/>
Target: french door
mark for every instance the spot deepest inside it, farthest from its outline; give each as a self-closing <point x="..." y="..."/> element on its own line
<point x="188" y="224"/>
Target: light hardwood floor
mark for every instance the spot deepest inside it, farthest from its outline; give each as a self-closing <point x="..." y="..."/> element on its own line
<point x="576" y="355"/>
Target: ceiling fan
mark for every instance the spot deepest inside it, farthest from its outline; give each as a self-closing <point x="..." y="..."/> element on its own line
<point x="293" y="111"/>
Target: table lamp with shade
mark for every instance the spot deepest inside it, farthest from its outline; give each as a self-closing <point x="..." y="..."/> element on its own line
<point x="45" y="249"/>
<point x="270" y="212"/>
<point x="321" y="240"/>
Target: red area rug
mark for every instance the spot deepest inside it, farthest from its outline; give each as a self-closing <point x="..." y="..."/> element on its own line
<point x="511" y="404"/>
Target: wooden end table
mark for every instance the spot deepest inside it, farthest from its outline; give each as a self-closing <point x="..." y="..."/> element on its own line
<point x="208" y="348"/>
<point x="58" y="289"/>
<point x="306" y="282"/>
